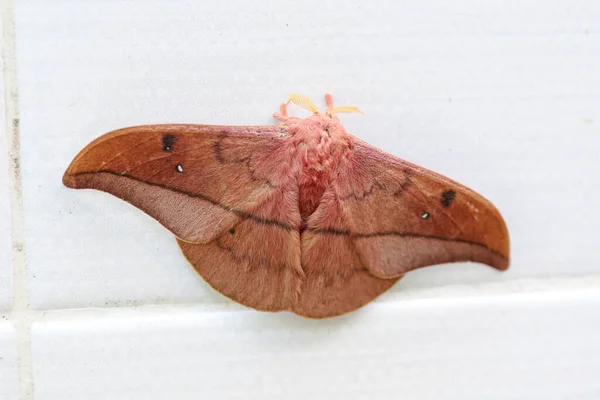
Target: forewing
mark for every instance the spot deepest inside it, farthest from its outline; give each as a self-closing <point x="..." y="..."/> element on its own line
<point x="196" y="180"/>
<point x="401" y="216"/>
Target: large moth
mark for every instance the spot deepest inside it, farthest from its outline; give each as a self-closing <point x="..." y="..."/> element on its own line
<point x="300" y="216"/>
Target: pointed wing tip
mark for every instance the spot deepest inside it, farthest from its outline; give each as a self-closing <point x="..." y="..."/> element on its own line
<point x="499" y="258"/>
<point x="501" y="263"/>
<point x="70" y="179"/>
<point x="503" y="255"/>
<point x="496" y="242"/>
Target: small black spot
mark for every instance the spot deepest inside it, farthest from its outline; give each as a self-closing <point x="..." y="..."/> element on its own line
<point x="425" y="215"/>
<point x="168" y="141"/>
<point x="179" y="168"/>
<point x="232" y="231"/>
<point x="447" y="197"/>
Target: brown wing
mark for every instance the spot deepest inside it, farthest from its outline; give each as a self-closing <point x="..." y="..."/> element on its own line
<point x="196" y="180"/>
<point x="256" y="264"/>
<point x="383" y="217"/>
<point x="227" y="193"/>
<point x="336" y="278"/>
<point x="402" y="216"/>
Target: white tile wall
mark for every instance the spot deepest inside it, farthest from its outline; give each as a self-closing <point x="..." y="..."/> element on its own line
<point x="501" y="348"/>
<point x="9" y="361"/>
<point x="503" y="96"/>
<point x="9" y="353"/>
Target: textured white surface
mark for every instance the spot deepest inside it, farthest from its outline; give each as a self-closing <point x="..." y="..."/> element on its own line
<point x="6" y="272"/>
<point x="502" y="348"/>
<point x="9" y="361"/>
<point x="503" y="96"/>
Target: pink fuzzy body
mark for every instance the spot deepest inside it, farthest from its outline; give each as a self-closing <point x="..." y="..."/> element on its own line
<point x="318" y="145"/>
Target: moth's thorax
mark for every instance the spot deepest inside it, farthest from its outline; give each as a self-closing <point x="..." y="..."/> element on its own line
<point x="320" y="144"/>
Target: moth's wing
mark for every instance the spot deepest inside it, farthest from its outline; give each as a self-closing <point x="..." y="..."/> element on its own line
<point x="227" y="193"/>
<point x="401" y="216"/>
<point x="254" y="263"/>
<point x="196" y="180"/>
<point x="382" y="217"/>
<point x="336" y="279"/>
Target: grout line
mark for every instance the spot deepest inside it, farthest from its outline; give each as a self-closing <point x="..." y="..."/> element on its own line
<point x="84" y="316"/>
<point x="20" y="313"/>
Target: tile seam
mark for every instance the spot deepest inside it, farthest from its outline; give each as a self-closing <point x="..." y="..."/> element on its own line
<point x="527" y="290"/>
<point x="20" y="313"/>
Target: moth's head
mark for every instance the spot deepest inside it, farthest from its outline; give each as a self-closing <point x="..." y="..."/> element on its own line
<point x="320" y="122"/>
<point x="324" y="122"/>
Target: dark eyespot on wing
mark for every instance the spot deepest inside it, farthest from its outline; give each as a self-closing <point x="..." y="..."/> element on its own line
<point x="447" y="197"/>
<point x="168" y="142"/>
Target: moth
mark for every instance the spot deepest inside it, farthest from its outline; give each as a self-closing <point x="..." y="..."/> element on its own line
<point x="299" y="216"/>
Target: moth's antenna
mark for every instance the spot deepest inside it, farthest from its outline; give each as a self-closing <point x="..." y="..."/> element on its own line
<point x="342" y="109"/>
<point x="304" y="102"/>
<point x="345" y="109"/>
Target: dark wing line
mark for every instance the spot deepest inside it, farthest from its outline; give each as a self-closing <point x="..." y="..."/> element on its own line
<point x="188" y="149"/>
<point x="158" y="171"/>
<point x="409" y="170"/>
<point x="378" y="153"/>
<point x="235" y="256"/>
<point x="411" y="167"/>
<point x="232" y="210"/>
<point x="161" y="129"/>
<point x="347" y="232"/>
<point x="355" y="197"/>
<point x="163" y="156"/>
